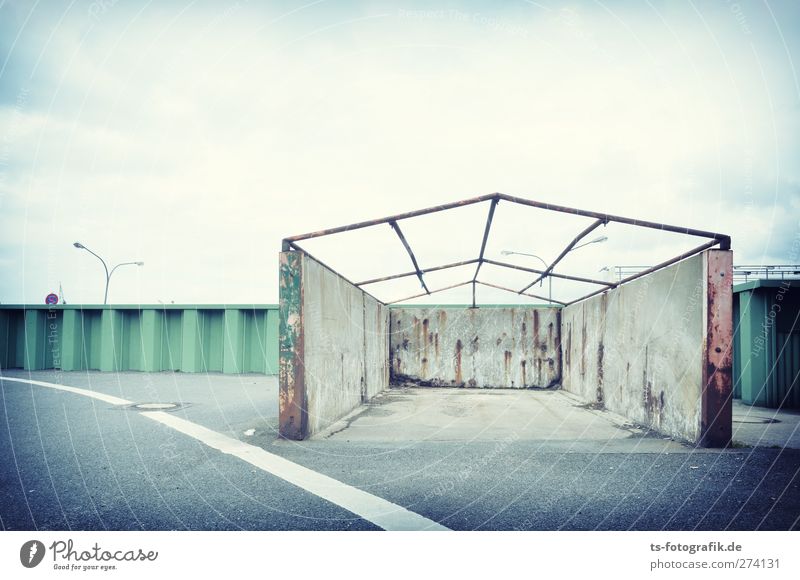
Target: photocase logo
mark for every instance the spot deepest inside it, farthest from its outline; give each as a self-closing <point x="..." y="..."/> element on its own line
<point x="31" y="553"/>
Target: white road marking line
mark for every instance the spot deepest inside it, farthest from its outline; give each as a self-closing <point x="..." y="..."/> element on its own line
<point x="380" y="512"/>
<point x="78" y="391"/>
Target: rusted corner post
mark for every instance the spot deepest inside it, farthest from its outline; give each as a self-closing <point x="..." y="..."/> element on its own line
<point x="292" y="406"/>
<point x="716" y="415"/>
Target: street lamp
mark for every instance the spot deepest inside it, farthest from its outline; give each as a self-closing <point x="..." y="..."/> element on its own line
<point x="549" y="278"/>
<point x="597" y="240"/>
<point x="80" y="246"/>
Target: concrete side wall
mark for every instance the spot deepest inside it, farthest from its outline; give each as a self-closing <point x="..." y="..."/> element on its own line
<point x="376" y="346"/>
<point x="659" y="350"/>
<point x="334" y="350"/>
<point x="476" y="347"/>
<point x="638" y="349"/>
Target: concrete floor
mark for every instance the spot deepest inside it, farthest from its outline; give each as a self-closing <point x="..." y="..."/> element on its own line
<point x="510" y="460"/>
<point x="760" y="427"/>
<point x="442" y="414"/>
<point x="446" y="414"/>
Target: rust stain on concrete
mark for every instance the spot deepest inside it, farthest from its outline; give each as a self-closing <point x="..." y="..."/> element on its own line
<point x="477" y="347"/>
<point x="583" y="344"/>
<point x="425" y="341"/>
<point x="559" y="352"/>
<point x="716" y="411"/>
<point x="459" y="378"/>
<point x="600" y="353"/>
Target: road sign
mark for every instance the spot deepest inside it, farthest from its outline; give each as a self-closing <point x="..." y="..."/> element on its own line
<point x="51" y="299"/>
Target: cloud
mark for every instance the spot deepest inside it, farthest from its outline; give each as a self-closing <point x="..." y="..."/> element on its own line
<point x="195" y="137"/>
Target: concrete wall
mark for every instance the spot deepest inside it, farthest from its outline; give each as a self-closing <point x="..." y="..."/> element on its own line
<point x="333" y="346"/>
<point x="514" y="347"/>
<point x="187" y="338"/>
<point x="647" y="350"/>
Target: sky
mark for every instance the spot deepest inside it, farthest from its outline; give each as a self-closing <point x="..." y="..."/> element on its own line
<point x="194" y="136"/>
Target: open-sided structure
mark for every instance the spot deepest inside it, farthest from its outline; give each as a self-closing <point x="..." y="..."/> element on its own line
<point x="655" y="346"/>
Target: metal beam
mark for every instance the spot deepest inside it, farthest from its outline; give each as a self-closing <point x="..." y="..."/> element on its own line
<point x="393" y="218"/>
<point x="664" y="264"/>
<point x="294" y="246"/>
<point x="413" y="272"/>
<point x="488" y="227"/>
<point x="553" y="274"/>
<point x="523" y="293"/>
<point x="717" y="239"/>
<point x="565" y="251"/>
<point x="431" y="292"/>
<point x="723" y="239"/>
<point x="417" y="271"/>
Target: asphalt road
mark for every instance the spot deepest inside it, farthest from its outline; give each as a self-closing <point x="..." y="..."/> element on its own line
<point x="72" y="462"/>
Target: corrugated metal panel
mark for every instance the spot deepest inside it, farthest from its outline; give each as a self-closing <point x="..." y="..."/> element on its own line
<point x="784" y="389"/>
<point x="737" y="349"/>
<point x="230" y="339"/>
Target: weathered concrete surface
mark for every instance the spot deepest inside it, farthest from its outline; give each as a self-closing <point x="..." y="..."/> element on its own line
<point x="639" y="349"/>
<point x="658" y="350"/>
<point x="717" y="363"/>
<point x="515" y="347"/>
<point x="760" y="427"/>
<point x="478" y="483"/>
<point x="335" y="357"/>
<point x="444" y="414"/>
<point x="292" y="405"/>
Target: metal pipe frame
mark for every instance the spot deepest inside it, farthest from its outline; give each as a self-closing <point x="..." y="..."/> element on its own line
<point x="716" y="239"/>
<point x="417" y="271"/>
<point x="663" y="264"/>
<point x="565" y="251"/>
<point x="524" y="293"/>
<point x="723" y="239"/>
<point x="296" y="247"/>
<point x="430" y="292"/>
<point x="489" y="219"/>
<point x="393" y="218"/>
<point x="552" y="274"/>
<point x="413" y="272"/>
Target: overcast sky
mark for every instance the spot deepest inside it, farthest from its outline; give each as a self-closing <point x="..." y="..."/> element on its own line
<point x="194" y="136"/>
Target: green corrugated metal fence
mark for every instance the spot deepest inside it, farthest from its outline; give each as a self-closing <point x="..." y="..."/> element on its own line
<point x="187" y="338"/>
<point x="786" y="390"/>
<point x="766" y="357"/>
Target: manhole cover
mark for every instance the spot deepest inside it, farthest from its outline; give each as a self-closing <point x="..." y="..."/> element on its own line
<point x="756" y="421"/>
<point x="155" y="406"/>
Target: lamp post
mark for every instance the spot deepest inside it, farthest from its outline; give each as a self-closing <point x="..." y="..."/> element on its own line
<point x="80" y="246"/>
<point x="549" y="278"/>
<point x="597" y="240"/>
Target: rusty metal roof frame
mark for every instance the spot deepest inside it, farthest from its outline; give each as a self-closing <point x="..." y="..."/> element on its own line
<point x="715" y="239"/>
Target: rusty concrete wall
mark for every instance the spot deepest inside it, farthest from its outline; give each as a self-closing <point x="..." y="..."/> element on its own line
<point x="340" y="354"/>
<point x="716" y="419"/>
<point x="514" y="347"/>
<point x="641" y="350"/>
